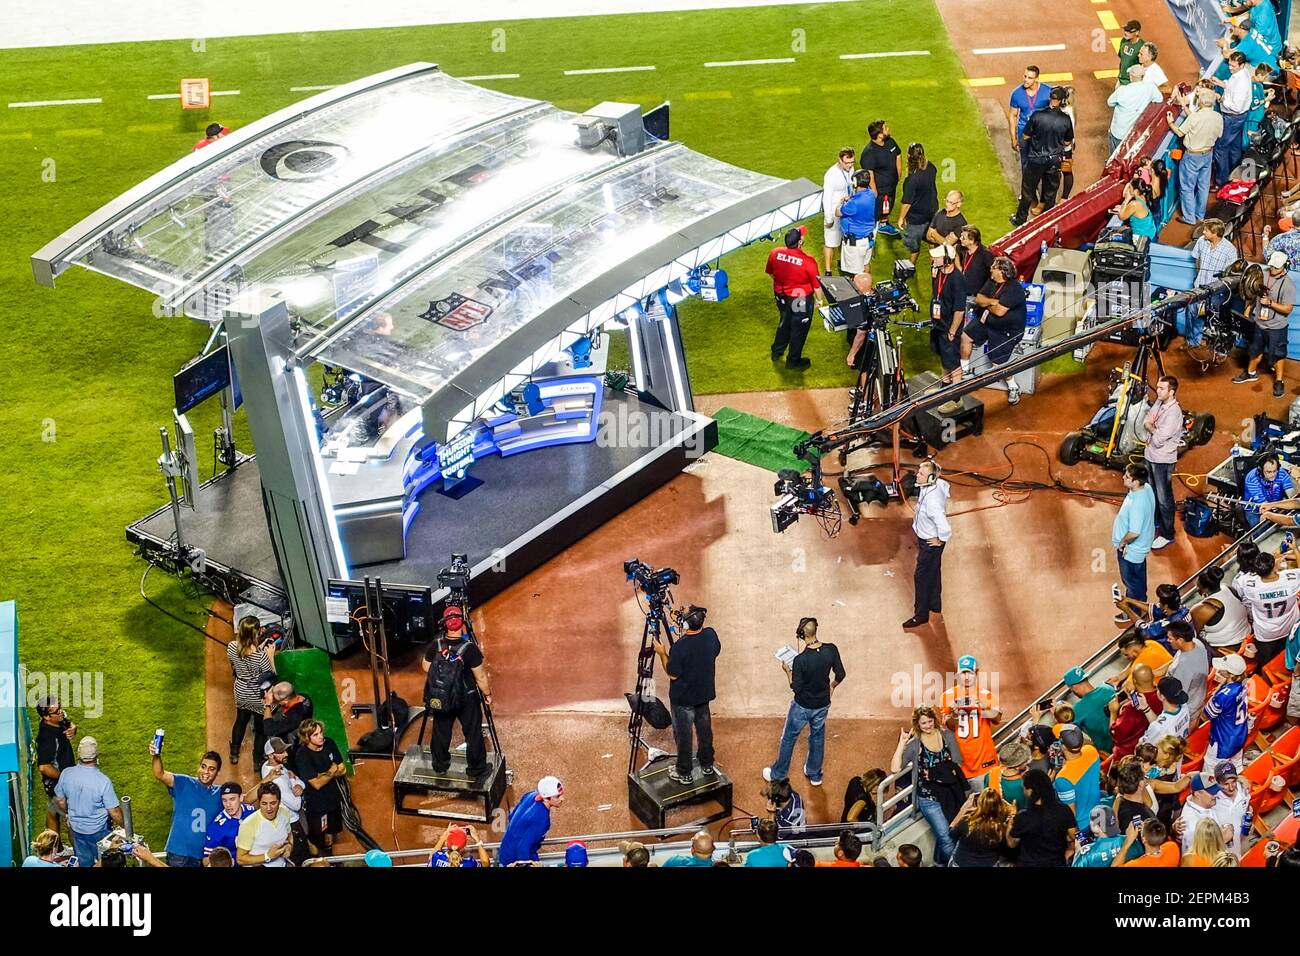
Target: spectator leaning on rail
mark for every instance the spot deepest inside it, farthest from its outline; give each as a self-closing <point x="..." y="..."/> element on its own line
<point x="701" y="852"/>
<point x="1129" y="101"/>
<point x="769" y="853"/>
<point x="1132" y="533"/>
<point x="85" y="794"/>
<point x="927" y="750"/>
<point x="1199" y="129"/>
<point x="529" y="822"/>
<point x="196" y="801"/>
<point x="54" y="738"/>
<point x="1235" y="105"/>
<point x="814" y="674"/>
<point x="449" y="851"/>
<point x="1164" y="427"/>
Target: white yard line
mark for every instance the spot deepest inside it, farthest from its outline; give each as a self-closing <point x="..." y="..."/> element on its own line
<point x="609" y="69"/>
<point x="880" y="56"/>
<point x="779" y="59"/>
<point x="89" y="99"/>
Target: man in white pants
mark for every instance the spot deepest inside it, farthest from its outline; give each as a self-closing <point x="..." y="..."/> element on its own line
<point x="837" y="185"/>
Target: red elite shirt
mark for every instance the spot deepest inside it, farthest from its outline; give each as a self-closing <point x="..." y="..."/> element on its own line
<point x="793" y="271"/>
<point x="209" y="140"/>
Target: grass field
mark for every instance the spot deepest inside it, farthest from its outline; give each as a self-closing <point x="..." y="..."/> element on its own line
<point x="88" y="366"/>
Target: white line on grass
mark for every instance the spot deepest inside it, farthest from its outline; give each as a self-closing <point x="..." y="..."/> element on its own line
<point x="779" y="59"/>
<point x="878" y="56"/>
<point x="1040" y="48"/>
<point x="163" y="96"/>
<point x="311" y="89"/>
<point x="225" y="93"/>
<point x="609" y="69"/>
<point x="90" y="99"/>
<point x="490" y="76"/>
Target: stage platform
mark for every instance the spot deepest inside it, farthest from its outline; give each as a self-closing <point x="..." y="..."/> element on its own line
<point x="530" y="506"/>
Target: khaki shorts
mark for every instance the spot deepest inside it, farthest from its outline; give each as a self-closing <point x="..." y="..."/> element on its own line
<point x="1293" y="702"/>
<point x="832" y="236"/>
<point x="855" y="258"/>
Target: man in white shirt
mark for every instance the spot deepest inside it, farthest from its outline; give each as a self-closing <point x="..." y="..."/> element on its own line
<point x="276" y="770"/>
<point x="265" y="838"/>
<point x="932" y="533"/>
<point x="1201" y="804"/>
<point x="1155" y="74"/>
<point x="1235" y="103"/>
<point x="1232" y="806"/>
<point x="1130" y="101"/>
<point x="837" y="185"/>
<point x="1174" y="719"/>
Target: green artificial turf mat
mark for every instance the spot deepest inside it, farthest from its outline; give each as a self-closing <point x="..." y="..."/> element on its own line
<point x="308" y="669"/>
<point x="757" y="441"/>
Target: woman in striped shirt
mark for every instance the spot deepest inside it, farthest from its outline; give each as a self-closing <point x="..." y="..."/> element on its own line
<point x="249" y="660"/>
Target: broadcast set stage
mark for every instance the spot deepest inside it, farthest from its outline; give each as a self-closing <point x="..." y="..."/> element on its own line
<point x="466" y="480"/>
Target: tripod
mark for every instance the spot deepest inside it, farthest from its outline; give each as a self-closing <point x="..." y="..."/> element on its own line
<point x="881" y="384"/>
<point x="656" y="621"/>
<point x="383" y="740"/>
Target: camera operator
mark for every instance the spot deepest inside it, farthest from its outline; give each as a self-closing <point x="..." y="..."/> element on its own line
<point x="794" y="282"/>
<point x="857" y="218"/>
<point x="449" y="851"/>
<point x="947" y="311"/>
<point x="456" y="678"/>
<point x="932" y="532"/>
<point x="53" y="753"/>
<point x="1002" y="325"/>
<point x="810" y="679"/>
<point x="690" y="666"/>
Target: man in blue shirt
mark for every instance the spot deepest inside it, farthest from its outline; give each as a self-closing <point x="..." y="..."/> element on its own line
<point x="1106" y="839"/>
<point x="195" y="803"/>
<point x="1267" y="482"/>
<point x="1029" y="96"/>
<point x="85" y="794"/>
<point x="770" y="853"/>
<point x="1227" y="713"/>
<point x="1132" y="533"/>
<point x="223" y="831"/>
<point x="857" y="218"/>
<point x="701" y="852"/>
<point x="529" y="822"/>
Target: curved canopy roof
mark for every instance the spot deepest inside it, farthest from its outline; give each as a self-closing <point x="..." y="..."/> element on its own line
<point x="415" y="224"/>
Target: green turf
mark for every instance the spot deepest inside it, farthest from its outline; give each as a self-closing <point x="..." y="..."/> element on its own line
<point x="757" y="441"/>
<point x="88" y="366"/>
<point x="308" y="669"/>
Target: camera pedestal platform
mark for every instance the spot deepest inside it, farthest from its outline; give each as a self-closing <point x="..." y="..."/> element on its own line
<point x="942" y="426"/>
<point x="652" y="796"/>
<point x="415" y="777"/>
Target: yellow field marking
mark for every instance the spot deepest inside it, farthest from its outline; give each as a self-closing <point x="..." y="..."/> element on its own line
<point x="985" y="81"/>
<point x="151" y="128"/>
<point x="1106" y="74"/>
<point x="709" y="95"/>
<point x="26" y="135"/>
<point x="80" y="132"/>
<point x="912" y="84"/>
<point x="779" y="91"/>
<point x="1108" y="20"/>
<point x="1056" y="77"/>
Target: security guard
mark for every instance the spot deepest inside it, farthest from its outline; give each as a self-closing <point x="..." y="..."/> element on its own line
<point x="1044" y="140"/>
<point x="857" y="219"/>
<point x="794" y="283"/>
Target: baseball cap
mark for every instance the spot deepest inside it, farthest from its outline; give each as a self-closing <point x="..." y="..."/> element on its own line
<point x="966" y="663"/>
<point x="275" y="746"/>
<point x="1041" y="736"/>
<point x="635" y="852"/>
<point x="794" y="234"/>
<point x="1014" y="754"/>
<point x="575" y="854"/>
<point x="1171" y="689"/>
<point x="1074" y="675"/>
<point x="378" y="858"/>
<point x="88" y="748"/>
<point x="1279" y="260"/>
<point x="457" y="838"/>
<point x="1233" y="664"/>
<point x="1103" y="817"/>
<point x="231" y="787"/>
<point x="549" y="787"/>
<point x="1071" y="737"/>
<point x="1224" y="771"/>
<point x="1204" y="783"/>
<point x="1059" y="93"/>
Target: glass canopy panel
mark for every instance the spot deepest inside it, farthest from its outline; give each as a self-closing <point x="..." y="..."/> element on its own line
<point x="420" y="336"/>
<point x="365" y="243"/>
<point x="186" y="232"/>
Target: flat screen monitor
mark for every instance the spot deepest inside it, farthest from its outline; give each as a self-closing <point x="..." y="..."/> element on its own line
<point x="204" y="377"/>
<point x="656" y="122"/>
<point x="408" y="611"/>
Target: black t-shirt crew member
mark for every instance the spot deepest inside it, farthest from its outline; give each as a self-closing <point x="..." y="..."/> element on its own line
<point x="691" y="665"/>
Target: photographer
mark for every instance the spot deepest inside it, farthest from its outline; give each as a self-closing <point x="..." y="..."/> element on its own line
<point x="690" y="667"/>
<point x="283" y="712"/>
<point x="456" y="678"/>
<point x="449" y="851"/>
<point x="947" y="311"/>
<point x="856" y="215"/>
<point x="54" y="739"/>
<point x="810" y="679"/>
<point x="250" y="657"/>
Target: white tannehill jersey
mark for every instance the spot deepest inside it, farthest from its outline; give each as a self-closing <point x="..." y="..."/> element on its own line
<point x="1274" y="606"/>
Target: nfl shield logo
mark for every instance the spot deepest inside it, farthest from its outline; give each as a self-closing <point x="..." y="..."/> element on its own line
<point x="457" y="312"/>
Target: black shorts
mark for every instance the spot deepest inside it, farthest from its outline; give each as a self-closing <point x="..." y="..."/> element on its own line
<point x="1270" y="343"/>
<point x="319" y="823"/>
<point x="998" y="345"/>
<point x="949" y="352"/>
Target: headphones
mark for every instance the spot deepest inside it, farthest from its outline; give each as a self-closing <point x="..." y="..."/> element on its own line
<point x="803" y="623"/>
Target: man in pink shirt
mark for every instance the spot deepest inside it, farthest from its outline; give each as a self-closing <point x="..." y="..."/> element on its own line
<point x="1164" y="425"/>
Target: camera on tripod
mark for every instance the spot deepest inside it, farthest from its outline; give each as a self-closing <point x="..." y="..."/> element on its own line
<point x="851" y="309"/>
<point x="654" y="584"/>
<point x="456" y="577"/>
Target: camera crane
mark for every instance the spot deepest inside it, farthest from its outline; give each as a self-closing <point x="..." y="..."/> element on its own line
<point x="807" y="494"/>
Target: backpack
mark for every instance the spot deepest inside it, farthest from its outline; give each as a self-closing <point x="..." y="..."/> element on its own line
<point x="445" y="690"/>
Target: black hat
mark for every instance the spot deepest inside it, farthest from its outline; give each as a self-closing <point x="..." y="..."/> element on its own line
<point x="1059" y="93"/>
<point x="1072" y="737"/>
<point x="1171" y="689"/>
<point x="794" y="234"/>
<point x="1041" y="736"/>
<point x="231" y="787"/>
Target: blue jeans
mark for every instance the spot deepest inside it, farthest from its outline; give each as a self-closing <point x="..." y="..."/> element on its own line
<point x="795" y="721"/>
<point x="932" y="810"/>
<point x="1134" y="576"/>
<point x="1228" y="149"/>
<point x="1162" y="483"/>
<point x="1112" y="142"/>
<point x="1194" y="188"/>
<point x="175" y="859"/>
<point x="83" y="844"/>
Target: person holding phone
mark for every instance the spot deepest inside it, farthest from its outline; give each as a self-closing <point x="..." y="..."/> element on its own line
<point x="250" y="657"/>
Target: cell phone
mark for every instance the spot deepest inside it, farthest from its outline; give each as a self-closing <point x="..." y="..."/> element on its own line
<point x="1044" y="706"/>
<point x="753" y="823"/>
<point x="1134" y="699"/>
<point x="1115" y="592"/>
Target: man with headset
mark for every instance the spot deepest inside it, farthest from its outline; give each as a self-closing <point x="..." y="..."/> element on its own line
<point x="932" y="533"/>
<point x="810" y="679"/>
<point x="691" y="666"/>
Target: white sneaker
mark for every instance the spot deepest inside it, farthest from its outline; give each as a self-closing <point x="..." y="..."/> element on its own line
<point x="1160" y="542"/>
<point x="1013" y="396"/>
<point x="1122" y="618"/>
<point x="767" y="774"/>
